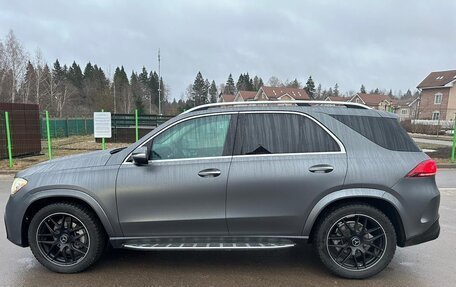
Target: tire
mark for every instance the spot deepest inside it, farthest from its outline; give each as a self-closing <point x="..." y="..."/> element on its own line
<point x="355" y="241"/>
<point x="66" y="237"/>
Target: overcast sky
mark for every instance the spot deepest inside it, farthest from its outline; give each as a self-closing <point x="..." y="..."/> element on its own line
<point x="385" y="44"/>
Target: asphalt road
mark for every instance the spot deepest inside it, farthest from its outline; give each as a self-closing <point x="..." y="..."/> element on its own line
<point x="429" y="264"/>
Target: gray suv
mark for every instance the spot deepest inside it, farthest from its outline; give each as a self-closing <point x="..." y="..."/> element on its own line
<point x="260" y="175"/>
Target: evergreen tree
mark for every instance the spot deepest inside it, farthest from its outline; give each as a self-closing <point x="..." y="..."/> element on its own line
<point x="362" y="90"/>
<point x="244" y="83"/>
<point x="213" y="92"/>
<point x="310" y="88"/>
<point x="336" y="90"/>
<point x="294" y="84"/>
<point x="199" y="90"/>
<point x="376" y="91"/>
<point x="75" y="75"/>
<point x="257" y="83"/>
<point x="317" y="94"/>
<point x="137" y="92"/>
<point x="29" y="83"/>
<point x="230" y="88"/>
<point x="408" y="94"/>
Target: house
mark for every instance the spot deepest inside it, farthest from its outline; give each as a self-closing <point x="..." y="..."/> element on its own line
<point x="375" y="101"/>
<point x="406" y="108"/>
<point x="337" y="99"/>
<point x="243" y="96"/>
<point x="223" y="98"/>
<point x="438" y="96"/>
<point x="280" y="94"/>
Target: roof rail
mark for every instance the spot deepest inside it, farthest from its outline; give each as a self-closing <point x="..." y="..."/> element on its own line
<point x="297" y="102"/>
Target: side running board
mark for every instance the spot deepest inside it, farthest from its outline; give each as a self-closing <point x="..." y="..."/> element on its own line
<point x="207" y="246"/>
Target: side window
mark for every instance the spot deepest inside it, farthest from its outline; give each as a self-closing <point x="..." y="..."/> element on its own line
<point x="270" y="133"/>
<point x="199" y="137"/>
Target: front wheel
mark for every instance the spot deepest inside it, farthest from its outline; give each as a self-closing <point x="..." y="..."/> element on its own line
<point x="66" y="237"/>
<point x="355" y="241"/>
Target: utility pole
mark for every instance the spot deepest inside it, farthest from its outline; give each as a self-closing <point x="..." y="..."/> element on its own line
<point x="159" y="85"/>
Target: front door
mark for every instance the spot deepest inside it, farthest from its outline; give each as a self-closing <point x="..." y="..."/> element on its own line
<point x="182" y="191"/>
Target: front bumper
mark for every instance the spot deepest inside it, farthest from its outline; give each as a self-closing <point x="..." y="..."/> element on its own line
<point x="431" y="233"/>
<point x="14" y="215"/>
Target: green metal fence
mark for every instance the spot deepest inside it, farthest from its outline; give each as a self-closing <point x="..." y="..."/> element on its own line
<point x="60" y="128"/>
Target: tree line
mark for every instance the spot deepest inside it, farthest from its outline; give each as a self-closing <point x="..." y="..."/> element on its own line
<point x="74" y="90"/>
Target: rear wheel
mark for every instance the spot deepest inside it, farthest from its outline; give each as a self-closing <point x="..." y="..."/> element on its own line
<point x="355" y="241"/>
<point x="66" y="238"/>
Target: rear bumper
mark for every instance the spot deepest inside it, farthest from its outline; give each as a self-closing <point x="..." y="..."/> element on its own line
<point x="431" y="233"/>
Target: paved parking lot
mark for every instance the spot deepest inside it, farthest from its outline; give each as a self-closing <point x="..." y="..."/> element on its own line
<point x="430" y="264"/>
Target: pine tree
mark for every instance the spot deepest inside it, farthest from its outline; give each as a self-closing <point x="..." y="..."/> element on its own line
<point x="294" y="84"/>
<point x="318" y="94"/>
<point x="244" y="83"/>
<point x="230" y="88"/>
<point x="310" y="88"/>
<point x="29" y="82"/>
<point x="213" y="92"/>
<point x="336" y="90"/>
<point x="408" y="94"/>
<point x="75" y="75"/>
<point x="199" y="91"/>
<point x="362" y="90"/>
<point x="136" y="91"/>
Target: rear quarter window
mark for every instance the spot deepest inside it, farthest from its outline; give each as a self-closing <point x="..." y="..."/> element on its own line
<point x="386" y="132"/>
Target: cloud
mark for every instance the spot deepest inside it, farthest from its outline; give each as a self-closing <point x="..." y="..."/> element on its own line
<point x="384" y="44"/>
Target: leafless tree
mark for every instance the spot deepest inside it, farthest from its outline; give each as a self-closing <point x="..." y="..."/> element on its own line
<point x="63" y="95"/>
<point x="2" y="66"/>
<point x="16" y="59"/>
<point x="39" y="77"/>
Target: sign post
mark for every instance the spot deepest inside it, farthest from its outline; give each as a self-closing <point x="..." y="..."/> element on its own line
<point x="8" y="140"/>
<point x="102" y="126"/>
<point x="48" y="132"/>
<point x="136" y="125"/>
<point x="453" y="148"/>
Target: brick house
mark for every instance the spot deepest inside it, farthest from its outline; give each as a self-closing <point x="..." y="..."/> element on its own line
<point x="375" y="101"/>
<point x="243" y="96"/>
<point x="406" y="108"/>
<point x="337" y="99"/>
<point x="223" y="98"/>
<point x="438" y="96"/>
<point x="280" y="94"/>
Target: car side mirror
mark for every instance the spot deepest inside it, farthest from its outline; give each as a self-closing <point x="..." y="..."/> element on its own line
<point x="140" y="156"/>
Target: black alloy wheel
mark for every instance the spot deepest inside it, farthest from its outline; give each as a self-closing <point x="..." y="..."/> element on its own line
<point x="356" y="242"/>
<point x="66" y="237"/>
<point x="63" y="239"/>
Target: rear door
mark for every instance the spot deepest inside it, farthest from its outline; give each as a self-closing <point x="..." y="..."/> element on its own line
<point x="282" y="163"/>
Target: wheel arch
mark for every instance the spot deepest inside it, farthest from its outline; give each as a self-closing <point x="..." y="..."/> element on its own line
<point x="379" y="199"/>
<point x="44" y="198"/>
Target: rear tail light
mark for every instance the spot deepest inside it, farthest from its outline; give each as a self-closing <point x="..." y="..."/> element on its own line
<point x="425" y="168"/>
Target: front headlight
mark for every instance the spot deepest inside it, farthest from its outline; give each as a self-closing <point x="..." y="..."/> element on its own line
<point x="18" y="183"/>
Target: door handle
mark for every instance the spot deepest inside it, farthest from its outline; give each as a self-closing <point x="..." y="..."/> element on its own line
<point x="321" y="168"/>
<point x="210" y="172"/>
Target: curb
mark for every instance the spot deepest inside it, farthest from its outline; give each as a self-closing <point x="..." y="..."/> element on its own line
<point x="8" y="172"/>
<point x="446" y="165"/>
